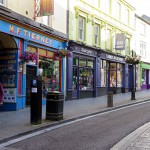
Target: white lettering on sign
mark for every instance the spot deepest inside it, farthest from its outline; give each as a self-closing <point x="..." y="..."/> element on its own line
<point x="34" y="90"/>
<point x="86" y="51"/>
<point x="114" y="57"/>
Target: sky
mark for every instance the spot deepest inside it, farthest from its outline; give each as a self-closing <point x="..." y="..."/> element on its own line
<point x="141" y="6"/>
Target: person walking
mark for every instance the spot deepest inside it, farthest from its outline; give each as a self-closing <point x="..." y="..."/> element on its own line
<point x="1" y="93"/>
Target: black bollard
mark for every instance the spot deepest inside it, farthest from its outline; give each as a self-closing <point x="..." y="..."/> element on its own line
<point x="110" y="99"/>
<point x="36" y="102"/>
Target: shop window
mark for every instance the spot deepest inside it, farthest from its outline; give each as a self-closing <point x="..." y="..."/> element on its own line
<point x="103" y="73"/>
<point x="86" y="79"/>
<point x="81" y="28"/>
<point x="82" y="62"/>
<point x="49" y="70"/>
<point x="90" y="63"/>
<point x="119" y="75"/>
<point x="75" y="61"/>
<point x="143" y="76"/>
<point x="112" y="74"/>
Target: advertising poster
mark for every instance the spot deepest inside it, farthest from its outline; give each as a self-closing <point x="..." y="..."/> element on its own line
<point x="9" y="95"/>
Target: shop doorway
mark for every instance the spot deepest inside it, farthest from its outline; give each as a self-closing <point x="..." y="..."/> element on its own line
<point x="30" y="75"/>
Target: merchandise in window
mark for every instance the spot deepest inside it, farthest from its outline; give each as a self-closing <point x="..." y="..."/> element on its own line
<point x="86" y="74"/>
<point x="143" y="76"/>
<point x="112" y="74"/>
<point x="49" y="70"/>
<point x="103" y="73"/>
<point x="86" y="79"/>
<point x="119" y="75"/>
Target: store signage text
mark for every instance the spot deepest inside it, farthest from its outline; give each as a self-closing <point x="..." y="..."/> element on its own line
<point x="31" y="35"/>
<point x="114" y="57"/>
<point x="86" y="51"/>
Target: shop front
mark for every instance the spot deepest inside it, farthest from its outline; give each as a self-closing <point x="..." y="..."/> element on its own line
<point x="113" y="74"/>
<point x="27" y="50"/>
<point x="145" y="76"/>
<point x="81" y="72"/>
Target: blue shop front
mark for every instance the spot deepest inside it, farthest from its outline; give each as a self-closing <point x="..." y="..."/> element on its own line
<point x="27" y="50"/>
<point x="92" y="72"/>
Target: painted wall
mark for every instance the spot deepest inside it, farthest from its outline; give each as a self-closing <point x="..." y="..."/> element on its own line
<point x="93" y="13"/>
<point x="56" y="21"/>
<point x="25" y="8"/>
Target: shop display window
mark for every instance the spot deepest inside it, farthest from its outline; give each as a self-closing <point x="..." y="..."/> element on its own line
<point x="103" y="73"/>
<point x="119" y="75"/>
<point x="112" y="74"/>
<point x="86" y="79"/>
<point x="143" y="76"/>
<point x="49" y="70"/>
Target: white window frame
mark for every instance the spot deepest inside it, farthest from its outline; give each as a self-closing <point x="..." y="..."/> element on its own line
<point x="108" y="39"/>
<point x="118" y="11"/>
<point x="81" y="29"/>
<point x="143" y="49"/>
<point x="96" y="34"/>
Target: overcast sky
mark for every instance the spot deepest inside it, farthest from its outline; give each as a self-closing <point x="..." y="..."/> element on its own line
<point x="141" y="6"/>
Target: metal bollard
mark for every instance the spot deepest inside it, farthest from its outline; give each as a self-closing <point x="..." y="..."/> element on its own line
<point x="110" y="99"/>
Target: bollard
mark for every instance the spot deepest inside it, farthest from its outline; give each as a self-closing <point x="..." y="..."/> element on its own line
<point x="110" y="99"/>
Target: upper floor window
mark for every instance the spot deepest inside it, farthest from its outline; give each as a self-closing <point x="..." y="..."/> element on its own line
<point x="96" y="34"/>
<point x="126" y="16"/>
<point x="108" y="39"/>
<point x="107" y="5"/>
<point x="118" y="11"/>
<point x="143" y="49"/>
<point x="81" y="28"/>
<point x="1" y="2"/>
<point x="142" y="28"/>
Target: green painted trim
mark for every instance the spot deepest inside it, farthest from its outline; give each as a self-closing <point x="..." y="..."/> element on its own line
<point x="145" y="66"/>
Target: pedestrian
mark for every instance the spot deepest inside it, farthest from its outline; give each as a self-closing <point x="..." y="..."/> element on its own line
<point x="1" y="93"/>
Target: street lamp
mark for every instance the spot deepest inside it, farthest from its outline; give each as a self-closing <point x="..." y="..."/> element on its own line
<point x="133" y="88"/>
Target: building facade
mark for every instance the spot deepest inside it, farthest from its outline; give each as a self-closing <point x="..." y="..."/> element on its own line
<point x="142" y="28"/>
<point x="22" y="37"/>
<point x="97" y="65"/>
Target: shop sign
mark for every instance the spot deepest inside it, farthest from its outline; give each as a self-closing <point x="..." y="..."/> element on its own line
<point x="30" y="35"/>
<point x="120" y="42"/>
<point x="86" y="51"/>
<point x="112" y="57"/>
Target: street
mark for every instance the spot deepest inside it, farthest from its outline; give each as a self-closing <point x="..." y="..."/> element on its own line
<point x="96" y="133"/>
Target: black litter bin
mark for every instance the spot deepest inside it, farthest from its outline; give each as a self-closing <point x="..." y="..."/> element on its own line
<point x="54" y="106"/>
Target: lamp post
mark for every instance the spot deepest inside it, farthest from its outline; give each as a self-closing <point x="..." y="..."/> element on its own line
<point x="133" y="88"/>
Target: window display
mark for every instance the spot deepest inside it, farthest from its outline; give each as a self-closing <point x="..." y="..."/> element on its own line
<point x="49" y="70"/>
<point x="112" y="74"/>
<point x="86" y="79"/>
<point x="119" y="75"/>
<point x="103" y="73"/>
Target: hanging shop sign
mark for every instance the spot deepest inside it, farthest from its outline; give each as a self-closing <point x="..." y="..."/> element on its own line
<point x="29" y="35"/>
<point x="44" y="7"/>
<point x="120" y="42"/>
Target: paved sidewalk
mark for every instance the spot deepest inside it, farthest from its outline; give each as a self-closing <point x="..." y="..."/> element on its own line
<point x="137" y="140"/>
<point x="14" y="123"/>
